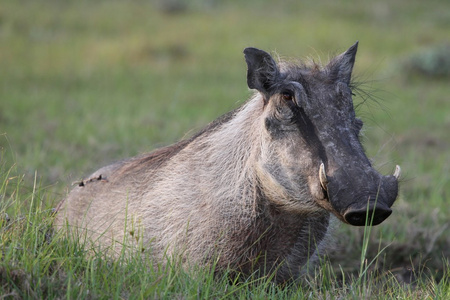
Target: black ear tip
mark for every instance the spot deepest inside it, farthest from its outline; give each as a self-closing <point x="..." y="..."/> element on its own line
<point x="253" y="51"/>
<point x="353" y="48"/>
<point x="248" y="49"/>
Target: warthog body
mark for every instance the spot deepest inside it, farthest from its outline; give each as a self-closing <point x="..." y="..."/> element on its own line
<point x="257" y="190"/>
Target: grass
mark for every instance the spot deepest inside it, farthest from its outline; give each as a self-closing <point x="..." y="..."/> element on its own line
<point x="40" y="264"/>
<point x="85" y="83"/>
<point x="37" y="263"/>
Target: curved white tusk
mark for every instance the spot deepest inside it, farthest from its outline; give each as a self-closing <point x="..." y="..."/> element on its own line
<point x="323" y="177"/>
<point x="397" y="172"/>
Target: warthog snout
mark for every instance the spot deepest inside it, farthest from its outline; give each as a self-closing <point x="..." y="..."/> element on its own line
<point x="362" y="199"/>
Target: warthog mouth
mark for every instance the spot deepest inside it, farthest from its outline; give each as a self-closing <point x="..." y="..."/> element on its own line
<point x="366" y="210"/>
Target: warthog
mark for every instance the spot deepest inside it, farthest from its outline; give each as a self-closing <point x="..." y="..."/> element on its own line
<point x="257" y="190"/>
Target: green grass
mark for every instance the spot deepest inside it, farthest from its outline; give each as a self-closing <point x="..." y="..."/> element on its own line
<point x="84" y="83"/>
<point x="41" y="264"/>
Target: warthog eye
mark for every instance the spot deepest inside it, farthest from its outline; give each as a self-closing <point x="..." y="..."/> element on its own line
<point x="287" y="96"/>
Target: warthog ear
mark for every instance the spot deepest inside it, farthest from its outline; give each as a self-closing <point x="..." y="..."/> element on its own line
<point x="341" y="67"/>
<point x="262" y="71"/>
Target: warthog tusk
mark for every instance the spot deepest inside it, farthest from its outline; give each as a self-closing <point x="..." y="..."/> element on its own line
<point x="397" y="172"/>
<point x="323" y="177"/>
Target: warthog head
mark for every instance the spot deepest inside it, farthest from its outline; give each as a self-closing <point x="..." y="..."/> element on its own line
<point x="311" y="155"/>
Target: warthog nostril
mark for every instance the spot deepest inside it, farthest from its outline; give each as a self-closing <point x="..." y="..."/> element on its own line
<point x="373" y="216"/>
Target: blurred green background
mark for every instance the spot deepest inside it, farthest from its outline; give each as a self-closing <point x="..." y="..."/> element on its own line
<point x="85" y="83"/>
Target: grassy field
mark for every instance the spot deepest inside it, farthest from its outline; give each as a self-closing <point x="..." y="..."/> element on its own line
<point x="85" y="83"/>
